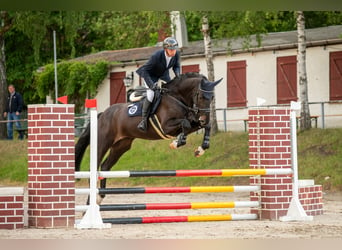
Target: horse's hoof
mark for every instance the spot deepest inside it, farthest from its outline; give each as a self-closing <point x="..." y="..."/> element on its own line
<point x="199" y="151"/>
<point x="173" y="145"/>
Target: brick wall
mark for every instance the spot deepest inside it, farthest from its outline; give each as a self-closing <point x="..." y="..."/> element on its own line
<point x="51" y="187"/>
<point x="311" y="198"/>
<point x="270" y="147"/>
<point x="11" y="208"/>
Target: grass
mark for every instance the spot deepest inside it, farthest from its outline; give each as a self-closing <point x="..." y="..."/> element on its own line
<point x="319" y="158"/>
<point x="13" y="162"/>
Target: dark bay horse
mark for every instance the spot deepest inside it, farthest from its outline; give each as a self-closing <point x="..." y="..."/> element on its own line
<point x="183" y="109"/>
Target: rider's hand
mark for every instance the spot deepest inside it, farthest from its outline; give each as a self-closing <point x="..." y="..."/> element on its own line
<point x="155" y="85"/>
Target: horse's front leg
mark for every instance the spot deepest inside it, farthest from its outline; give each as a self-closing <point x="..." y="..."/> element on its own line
<point x="205" y="143"/>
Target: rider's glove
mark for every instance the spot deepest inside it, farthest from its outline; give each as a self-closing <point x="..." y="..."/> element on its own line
<point x="155" y="86"/>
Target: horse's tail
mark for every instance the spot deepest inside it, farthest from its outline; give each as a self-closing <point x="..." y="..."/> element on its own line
<point x="81" y="146"/>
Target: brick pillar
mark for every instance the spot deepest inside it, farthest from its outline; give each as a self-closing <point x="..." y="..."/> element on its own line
<point x="270" y="147"/>
<point x="51" y="164"/>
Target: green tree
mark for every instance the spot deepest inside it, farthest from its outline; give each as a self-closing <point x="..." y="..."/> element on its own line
<point x="29" y="45"/>
<point x="231" y="24"/>
<point x="78" y="33"/>
<point x="124" y="30"/>
<point x="5" y="26"/>
<point x="38" y="26"/>
<point x="77" y="80"/>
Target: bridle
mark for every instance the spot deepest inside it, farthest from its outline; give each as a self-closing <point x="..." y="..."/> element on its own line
<point x="195" y="109"/>
<point x="195" y="106"/>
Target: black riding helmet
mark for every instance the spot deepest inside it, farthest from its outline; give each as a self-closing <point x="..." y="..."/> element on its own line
<point x="170" y="43"/>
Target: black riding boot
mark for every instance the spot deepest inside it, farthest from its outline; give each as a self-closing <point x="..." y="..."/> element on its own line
<point x="145" y="110"/>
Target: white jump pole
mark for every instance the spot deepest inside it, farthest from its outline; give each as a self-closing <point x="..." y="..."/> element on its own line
<point x="92" y="217"/>
<point x="296" y="211"/>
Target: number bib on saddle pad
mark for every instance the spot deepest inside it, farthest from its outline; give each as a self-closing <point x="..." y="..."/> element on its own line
<point x="134" y="109"/>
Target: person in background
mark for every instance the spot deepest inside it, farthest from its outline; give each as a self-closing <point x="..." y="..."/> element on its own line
<point x="13" y="109"/>
<point x="157" y="67"/>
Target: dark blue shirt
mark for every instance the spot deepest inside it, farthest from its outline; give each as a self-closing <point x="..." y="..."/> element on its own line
<point x="14" y="105"/>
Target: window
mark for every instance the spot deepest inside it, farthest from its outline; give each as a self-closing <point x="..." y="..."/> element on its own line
<point x="236" y="85"/>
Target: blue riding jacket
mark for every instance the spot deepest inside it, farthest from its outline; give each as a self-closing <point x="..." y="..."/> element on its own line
<point x="155" y="68"/>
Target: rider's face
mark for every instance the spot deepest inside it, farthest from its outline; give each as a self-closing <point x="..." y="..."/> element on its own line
<point x="170" y="52"/>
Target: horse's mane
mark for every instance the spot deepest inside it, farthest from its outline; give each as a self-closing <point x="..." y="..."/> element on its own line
<point x="180" y="79"/>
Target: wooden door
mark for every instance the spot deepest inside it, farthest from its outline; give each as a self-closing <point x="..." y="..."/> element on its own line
<point x="117" y="88"/>
<point x="335" y="76"/>
<point x="236" y="84"/>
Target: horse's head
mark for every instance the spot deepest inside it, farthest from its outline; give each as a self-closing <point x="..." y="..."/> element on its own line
<point x="196" y="92"/>
<point x="203" y="98"/>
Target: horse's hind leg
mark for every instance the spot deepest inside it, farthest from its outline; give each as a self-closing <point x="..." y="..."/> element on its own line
<point x="116" y="151"/>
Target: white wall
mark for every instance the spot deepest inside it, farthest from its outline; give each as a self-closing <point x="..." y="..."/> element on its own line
<point x="103" y="97"/>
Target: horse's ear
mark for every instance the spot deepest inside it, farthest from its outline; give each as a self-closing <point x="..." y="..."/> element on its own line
<point x="217" y="82"/>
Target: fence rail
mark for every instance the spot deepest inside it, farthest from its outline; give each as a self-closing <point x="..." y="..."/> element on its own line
<point x="319" y="116"/>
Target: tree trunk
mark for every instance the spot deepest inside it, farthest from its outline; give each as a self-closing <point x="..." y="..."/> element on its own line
<point x="3" y="78"/>
<point x="210" y="69"/>
<point x="305" y="121"/>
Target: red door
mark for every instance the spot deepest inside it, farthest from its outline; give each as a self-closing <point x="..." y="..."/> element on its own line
<point x="117" y="88"/>
<point x="335" y="76"/>
<point x="236" y="85"/>
<point x="286" y="79"/>
<point x="190" y="68"/>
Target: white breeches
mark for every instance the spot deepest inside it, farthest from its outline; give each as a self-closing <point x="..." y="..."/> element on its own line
<point x="149" y="93"/>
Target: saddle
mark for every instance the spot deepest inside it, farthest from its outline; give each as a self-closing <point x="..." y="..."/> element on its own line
<point x="137" y="98"/>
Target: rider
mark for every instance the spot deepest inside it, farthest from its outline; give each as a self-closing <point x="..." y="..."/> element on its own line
<point x="157" y="67"/>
